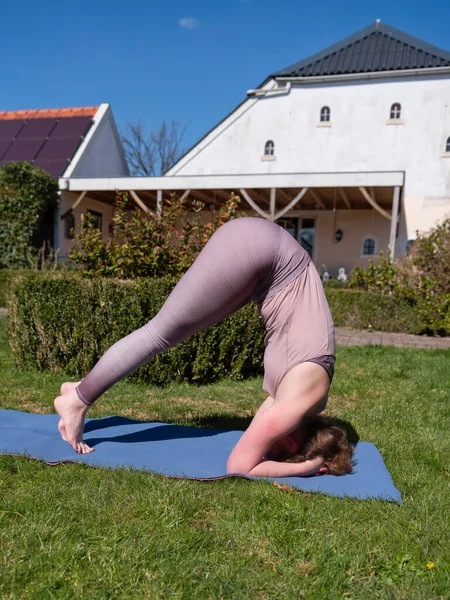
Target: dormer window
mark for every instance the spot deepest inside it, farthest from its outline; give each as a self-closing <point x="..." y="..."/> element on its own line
<point x="325" y="114"/>
<point x="396" y="111"/>
<point x="269" y="148"/>
<point x="447" y="145"/>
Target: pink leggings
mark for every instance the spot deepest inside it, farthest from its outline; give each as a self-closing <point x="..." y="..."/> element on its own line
<point x="246" y="259"/>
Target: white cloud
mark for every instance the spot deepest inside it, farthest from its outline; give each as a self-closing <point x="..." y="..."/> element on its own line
<point x="188" y="23"/>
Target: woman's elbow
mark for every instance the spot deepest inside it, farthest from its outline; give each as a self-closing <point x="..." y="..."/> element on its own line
<point x="234" y="465"/>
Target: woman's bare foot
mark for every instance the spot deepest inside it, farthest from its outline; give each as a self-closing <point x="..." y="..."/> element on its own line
<point x="66" y="387"/>
<point x="72" y="412"/>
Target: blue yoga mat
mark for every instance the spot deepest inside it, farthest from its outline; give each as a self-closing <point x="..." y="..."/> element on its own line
<point x="175" y="451"/>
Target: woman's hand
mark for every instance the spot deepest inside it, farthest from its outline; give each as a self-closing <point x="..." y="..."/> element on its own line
<point x="271" y="468"/>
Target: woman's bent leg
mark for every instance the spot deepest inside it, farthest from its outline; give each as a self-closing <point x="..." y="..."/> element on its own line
<point x="219" y="282"/>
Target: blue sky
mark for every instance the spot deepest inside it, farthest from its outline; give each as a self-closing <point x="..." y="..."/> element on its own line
<point x="188" y="61"/>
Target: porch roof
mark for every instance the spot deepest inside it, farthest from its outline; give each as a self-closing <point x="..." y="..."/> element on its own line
<point x="323" y="191"/>
<point x="232" y="182"/>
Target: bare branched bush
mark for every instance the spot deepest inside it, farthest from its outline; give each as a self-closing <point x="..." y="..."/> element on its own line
<point x="150" y="153"/>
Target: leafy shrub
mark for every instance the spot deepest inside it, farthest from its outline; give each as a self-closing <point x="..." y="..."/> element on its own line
<point x="148" y="245"/>
<point x="421" y="278"/>
<point x="64" y="322"/>
<point x="378" y="276"/>
<point x="27" y="195"/>
<point x="430" y="256"/>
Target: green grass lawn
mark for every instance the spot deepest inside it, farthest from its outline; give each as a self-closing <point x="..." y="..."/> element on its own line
<point x="74" y="532"/>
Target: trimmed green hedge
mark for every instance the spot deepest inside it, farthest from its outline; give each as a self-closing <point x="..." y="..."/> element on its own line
<point x="367" y="310"/>
<point x="62" y="322"/>
<point x="5" y="276"/>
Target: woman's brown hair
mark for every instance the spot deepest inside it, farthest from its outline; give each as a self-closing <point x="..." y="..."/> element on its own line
<point x="322" y="437"/>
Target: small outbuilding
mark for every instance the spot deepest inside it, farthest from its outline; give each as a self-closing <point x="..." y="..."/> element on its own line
<point x="66" y="142"/>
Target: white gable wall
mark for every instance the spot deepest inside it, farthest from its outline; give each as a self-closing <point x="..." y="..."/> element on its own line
<point x="103" y="156"/>
<point x="99" y="155"/>
<point x="360" y="138"/>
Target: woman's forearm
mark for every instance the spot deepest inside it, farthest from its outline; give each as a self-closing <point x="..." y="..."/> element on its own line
<point x="272" y="468"/>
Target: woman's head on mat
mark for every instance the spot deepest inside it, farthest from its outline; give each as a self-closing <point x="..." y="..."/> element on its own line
<point x="316" y="436"/>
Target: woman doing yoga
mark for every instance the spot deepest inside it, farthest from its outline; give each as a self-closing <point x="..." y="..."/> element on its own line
<point x="246" y="259"/>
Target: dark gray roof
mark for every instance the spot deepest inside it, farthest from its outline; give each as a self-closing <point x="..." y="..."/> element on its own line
<point x="378" y="47"/>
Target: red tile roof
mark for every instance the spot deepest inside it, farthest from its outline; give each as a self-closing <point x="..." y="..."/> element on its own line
<point x="48" y="113"/>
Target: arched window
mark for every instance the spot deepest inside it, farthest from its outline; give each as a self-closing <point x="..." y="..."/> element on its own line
<point x="409" y="246"/>
<point x="325" y="114"/>
<point x="368" y="247"/>
<point x="269" y="148"/>
<point x="447" y="145"/>
<point x="396" y="111"/>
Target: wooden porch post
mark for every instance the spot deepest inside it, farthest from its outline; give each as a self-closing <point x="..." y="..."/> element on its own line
<point x="159" y="200"/>
<point x="273" y="199"/>
<point x="394" y="218"/>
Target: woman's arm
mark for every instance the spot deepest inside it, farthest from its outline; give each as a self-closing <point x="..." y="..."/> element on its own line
<point x="300" y="392"/>
<point x="274" y="422"/>
<point x="268" y="402"/>
<point x="271" y="468"/>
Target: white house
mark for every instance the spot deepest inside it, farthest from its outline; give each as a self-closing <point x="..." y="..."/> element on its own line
<point x="349" y="149"/>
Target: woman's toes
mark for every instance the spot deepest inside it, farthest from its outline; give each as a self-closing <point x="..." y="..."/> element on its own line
<point x="83" y="448"/>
